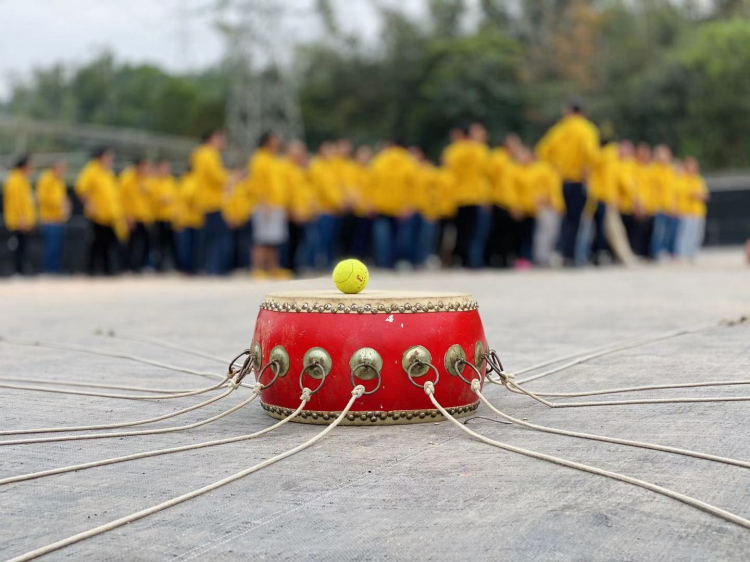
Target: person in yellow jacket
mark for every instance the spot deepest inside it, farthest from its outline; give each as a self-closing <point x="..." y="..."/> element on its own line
<point x="602" y="195"/>
<point x="528" y="184"/>
<point x="139" y="214"/>
<point x="270" y="228"/>
<point x="96" y="187"/>
<point x="19" y="212"/>
<point x="363" y="209"/>
<point x="693" y="219"/>
<point x="550" y="208"/>
<point x="572" y="148"/>
<point x="300" y="206"/>
<point x="54" y="211"/>
<point x="625" y="195"/>
<point x="188" y="221"/>
<point x="644" y="203"/>
<point x="163" y="193"/>
<point x="393" y="176"/>
<point x="469" y="160"/>
<point x="665" y="204"/>
<point x="346" y="171"/>
<point x="329" y="195"/>
<point x="423" y="239"/>
<point x="213" y="183"/>
<point x="503" y="240"/>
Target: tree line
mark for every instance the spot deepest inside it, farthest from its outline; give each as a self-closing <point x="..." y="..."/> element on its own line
<point x="658" y="71"/>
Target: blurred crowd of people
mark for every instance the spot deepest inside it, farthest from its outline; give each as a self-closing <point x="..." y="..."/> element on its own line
<point x="573" y="199"/>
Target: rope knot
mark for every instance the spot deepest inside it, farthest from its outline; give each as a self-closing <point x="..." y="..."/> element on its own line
<point x="429" y="388"/>
<point x="476" y="385"/>
<point x="257" y="388"/>
<point x="306" y="394"/>
<point x="358" y="391"/>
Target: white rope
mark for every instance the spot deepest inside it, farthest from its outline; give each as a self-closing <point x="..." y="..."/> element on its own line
<point x="356" y="393"/>
<point x="161" y="396"/>
<point x="102" y="353"/>
<point x="55" y="382"/>
<point x="159" y="343"/>
<point x="627" y="389"/>
<point x="256" y="393"/>
<point x="513" y="386"/>
<point x="618" y="348"/>
<point x="475" y="386"/>
<point x="158" y="452"/>
<point x="121" y="424"/>
<point x="713" y="510"/>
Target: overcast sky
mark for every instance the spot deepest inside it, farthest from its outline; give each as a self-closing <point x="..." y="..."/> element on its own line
<point x="36" y="33"/>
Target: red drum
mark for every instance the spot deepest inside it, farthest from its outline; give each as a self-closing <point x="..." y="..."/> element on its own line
<point x="389" y="342"/>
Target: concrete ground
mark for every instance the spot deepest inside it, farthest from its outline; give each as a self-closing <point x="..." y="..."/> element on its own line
<point x="419" y="492"/>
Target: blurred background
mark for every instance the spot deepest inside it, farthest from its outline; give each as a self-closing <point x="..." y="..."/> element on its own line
<point x="148" y="77"/>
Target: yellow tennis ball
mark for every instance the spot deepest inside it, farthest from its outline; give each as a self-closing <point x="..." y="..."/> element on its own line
<point x="351" y="276"/>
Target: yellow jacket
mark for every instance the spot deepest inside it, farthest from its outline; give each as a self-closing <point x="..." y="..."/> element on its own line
<point x="362" y="191"/>
<point x="625" y="186"/>
<point x="696" y="192"/>
<point x="188" y="212"/>
<point x="470" y="163"/>
<point x="97" y="186"/>
<point x="52" y="196"/>
<point x="238" y="204"/>
<point x="445" y="187"/>
<point x="18" y="202"/>
<point x="266" y="178"/>
<point x="548" y="185"/>
<point x="665" y="189"/>
<point x="394" y="177"/>
<point x="211" y="175"/>
<point x="571" y="147"/>
<point x="645" y="188"/>
<point x="163" y="194"/>
<point x="325" y="181"/>
<point x="426" y="194"/>
<point x="502" y="172"/>
<point x="301" y="196"/>
<point x="602" y="183"/>
<point x="135" y="197"/>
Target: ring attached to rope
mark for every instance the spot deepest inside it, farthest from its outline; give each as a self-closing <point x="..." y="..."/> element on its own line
<point x="274" y="367"/>
<point x="232" y="363"/>
<point x="380" y="378"/>
<point x="313" y="365"/>
<point x="422" y="364"/>
<point x="472" y="367"/>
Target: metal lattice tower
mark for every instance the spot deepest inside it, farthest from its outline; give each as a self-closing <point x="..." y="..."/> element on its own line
<point x="263" y="94"/>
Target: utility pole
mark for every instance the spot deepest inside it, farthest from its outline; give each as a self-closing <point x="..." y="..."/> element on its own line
<point x="263" y="95"/>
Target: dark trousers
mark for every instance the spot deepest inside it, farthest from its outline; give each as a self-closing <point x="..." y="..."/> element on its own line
<point x="187" y="250"/>
<point x="166" y="251"/>
<point x="346" y="235"/>
<point x="575" y="200"/>
<point x="385" y="237"/>
<point x="138" y="248"/>
<point x="466" y="223"/>
<point x="103" y="241"/>
<point x="526" y="238"/>
<point x="218" y="244"/>
<point x="503" y="240"/>
<point x="52" y="235"/>
<point x="631" y="228"/>
<point x="19" y="252"/>
<point x="242" y="241"/>
<point x="362" y="235"/>
<point x="600" y="243"/>
<point x="290" y="256"/>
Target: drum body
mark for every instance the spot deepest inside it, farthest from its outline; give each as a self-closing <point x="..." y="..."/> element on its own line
<point x="377" y="335"/>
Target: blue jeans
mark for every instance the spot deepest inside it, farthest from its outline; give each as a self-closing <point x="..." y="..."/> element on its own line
<point x="427" y="242"/>
<point x="478" y="241"/>
<point x="385" y="234"/>
<point x="53" y="247"/>
<point x="407" y="238"/>
<point x="328" y="234"/>
<point x="218" y="244"/>
<point x="187" y="249"/>
<point x="663" y="236"/>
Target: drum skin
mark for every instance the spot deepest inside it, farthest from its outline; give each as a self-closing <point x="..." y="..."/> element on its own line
<point x="397" y="400"/>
